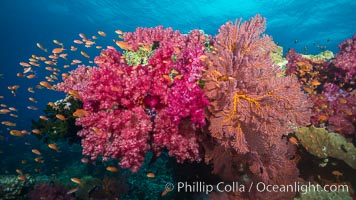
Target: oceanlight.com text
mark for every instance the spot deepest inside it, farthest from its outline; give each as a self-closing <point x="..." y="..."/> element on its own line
<point x="298" y="187"/>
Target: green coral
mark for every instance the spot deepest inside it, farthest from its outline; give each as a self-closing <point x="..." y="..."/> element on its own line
<point x="55" y="129"/>
<point x="13" y="188"/>
<point x="325" y="55"/>
<point x="321" y="143"/>
<point x="278" y="59"/>
<point x="139" y="57"/>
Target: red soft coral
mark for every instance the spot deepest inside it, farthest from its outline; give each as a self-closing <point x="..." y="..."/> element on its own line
<point x="133" y="109"/>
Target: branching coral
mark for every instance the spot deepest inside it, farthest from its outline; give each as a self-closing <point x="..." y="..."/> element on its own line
<point x="251" y="107"/>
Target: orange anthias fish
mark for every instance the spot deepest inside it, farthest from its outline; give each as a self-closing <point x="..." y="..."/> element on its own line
<point x="57" y="42"/>
<point x="80" y="113"/>
<point x="43" y="117"/>
<point x="78" y="42"/>
<point x="19" y="171"/>
<point x="36" y="131"/>
<point x="58" y="50"/>
<point x="73" y="190"/>
<point x="73" y="48"/>
<point x="39" y="160"/>
<point x="102" y="33"/>
<point x="24" y="64"/>
<point x="85" y="54"/>
<point x="36" y="151"/>
<point x="76" y="180"/>
<point x="13" y="115"/>
<point x="41" y="47"/>
<point x="74" y="93"/>
<point x="151" y="175"/>
<point x="22" y="178"/>
<point x="31" y="76"/>
<point x="4" y="111"/>
<point x="84" y="160"/>
<point x="82" y="35"/>
<point x="112" y="169"/>
<point x="119" y="32"/>
<point x="16" y="133"/>
<point x="32" y="108"/>
<point x="13" y="109"/>
<point x="293" y="140"/>
<point x="7" y="123"/>
<point x="30" y="89"/>
<point x="53" y="146"/>
<point x="123" y="45"/>
<point x="46" y="85"/>
<point x="61" y="117"/>
<point x="32" y="99"/>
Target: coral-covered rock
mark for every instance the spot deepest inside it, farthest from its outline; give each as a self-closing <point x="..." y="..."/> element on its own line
<point x="321" y="143"/>
<point x="331" y="86"/>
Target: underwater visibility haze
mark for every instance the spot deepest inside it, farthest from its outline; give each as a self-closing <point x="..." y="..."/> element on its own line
<point x="177" y="99"/>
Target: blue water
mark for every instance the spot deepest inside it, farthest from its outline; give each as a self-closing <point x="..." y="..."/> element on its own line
<point x="293" y="24"/>
<point x="300" y="24"/>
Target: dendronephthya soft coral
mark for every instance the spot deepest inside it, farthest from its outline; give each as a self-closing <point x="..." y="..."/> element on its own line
<point x="154" y="104"/>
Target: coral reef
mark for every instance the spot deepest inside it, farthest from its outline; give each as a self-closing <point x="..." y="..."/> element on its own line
<point x="52" y="129"/>
<point x="277" y="57"/>
<point x="50" y="192"/>
<point x="13" y="188"/>
<point x="251" y="107"/>
<point x="345" y="61"/>
<point x="105" y="188"/>
<point x="128" y="110"/>
<point x="336" y="108"/>
<point x="331" y="84"/>
<point x="321" y="143"/>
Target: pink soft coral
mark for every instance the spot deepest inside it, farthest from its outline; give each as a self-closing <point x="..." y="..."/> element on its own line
<point x="133" y="109"/>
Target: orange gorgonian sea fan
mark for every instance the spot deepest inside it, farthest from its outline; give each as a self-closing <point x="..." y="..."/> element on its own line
<point x="250" y="104"/>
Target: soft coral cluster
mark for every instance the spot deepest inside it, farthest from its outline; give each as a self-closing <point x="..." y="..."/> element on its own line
<point x="331" y="85"/>
<point x="133" y="109"/>
<point x="345" y="60"/>
<point x="251" y="107"/>
<point x="335" y="108"/>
